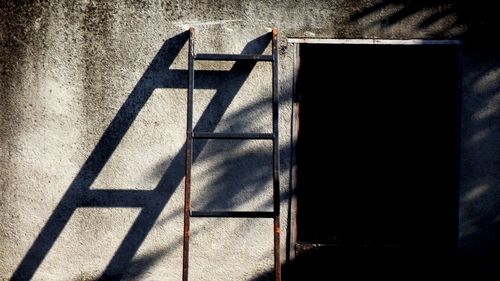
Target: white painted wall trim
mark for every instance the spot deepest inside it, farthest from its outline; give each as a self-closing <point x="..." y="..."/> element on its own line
<point x="373" y="41"/>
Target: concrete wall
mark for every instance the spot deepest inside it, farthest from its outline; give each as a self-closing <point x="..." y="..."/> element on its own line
<point x="93" y="115"/>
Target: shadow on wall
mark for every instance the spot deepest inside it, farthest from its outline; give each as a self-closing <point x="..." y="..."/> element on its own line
<point x="472" y="21"/>
<point x="480" y="226"/>
<point x="151" y="202"/>
<point x="480" y="188"/>
<point x="476" y="23"/>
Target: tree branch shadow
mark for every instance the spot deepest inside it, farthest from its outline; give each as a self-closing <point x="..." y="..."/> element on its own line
<point x="479" y="227"/>
<point x="479" y="18"/>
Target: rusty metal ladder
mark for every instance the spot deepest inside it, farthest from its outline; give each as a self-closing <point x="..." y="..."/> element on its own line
<point x="191" y="136"/>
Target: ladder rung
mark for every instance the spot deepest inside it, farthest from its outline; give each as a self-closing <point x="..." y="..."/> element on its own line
<point x="232" y="214"/>
<point x="233" y="57"/>
<point x="233" y="136"/>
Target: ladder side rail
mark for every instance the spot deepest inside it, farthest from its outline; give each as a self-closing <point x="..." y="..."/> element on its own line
<point x="276" y="156"/>
<point x="189" y="158"/>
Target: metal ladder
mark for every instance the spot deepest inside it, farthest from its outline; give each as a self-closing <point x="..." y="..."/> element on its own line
<point x="191" y="136"/>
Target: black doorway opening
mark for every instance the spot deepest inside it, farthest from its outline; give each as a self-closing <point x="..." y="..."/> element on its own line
<point x="377" y="157"/>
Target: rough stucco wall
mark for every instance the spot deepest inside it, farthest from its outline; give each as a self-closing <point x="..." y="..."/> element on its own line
<point x="93" y="99"/>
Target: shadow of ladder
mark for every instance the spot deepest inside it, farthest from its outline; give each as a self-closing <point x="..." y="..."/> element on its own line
<point x="79" y="193"/>
<point x="191" y="135"/>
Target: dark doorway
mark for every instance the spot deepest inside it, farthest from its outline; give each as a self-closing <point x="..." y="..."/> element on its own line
<point x="377" y="157"/>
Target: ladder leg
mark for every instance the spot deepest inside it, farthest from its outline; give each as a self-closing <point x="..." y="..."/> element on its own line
<point x="276" y="158"/>
<point x="189" y="159"/>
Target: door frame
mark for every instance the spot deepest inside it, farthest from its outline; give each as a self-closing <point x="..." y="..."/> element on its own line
<point x="296" y="42"/>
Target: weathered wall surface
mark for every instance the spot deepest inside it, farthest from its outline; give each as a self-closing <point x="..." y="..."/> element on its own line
<point x="92" y="127"/>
